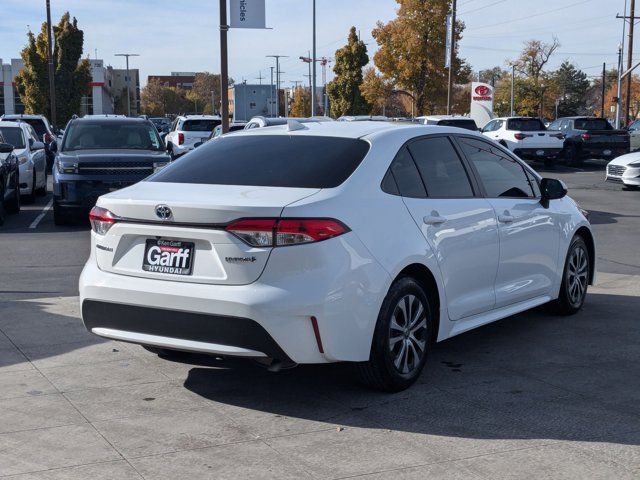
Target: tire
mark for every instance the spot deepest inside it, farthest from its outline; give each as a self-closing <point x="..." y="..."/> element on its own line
<point x="170" y="150"/>
<point x="631" y="187"/>
<point x="575" y="279"/>
<point x="573" y="156"/>
<point x="42" y="191"/>
<point x="399" y="352"/>
<point x="13" y="205"/>
<point x="30" y="197"/>
<point x="60" y="216"/>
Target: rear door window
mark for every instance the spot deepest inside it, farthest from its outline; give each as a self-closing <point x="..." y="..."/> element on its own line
<point x="441" y="169"/>
<point x="301" y="161"/>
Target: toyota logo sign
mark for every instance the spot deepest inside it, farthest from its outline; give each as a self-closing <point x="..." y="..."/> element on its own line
<point x="482" y="90"/>
<point x="163" y="212"/>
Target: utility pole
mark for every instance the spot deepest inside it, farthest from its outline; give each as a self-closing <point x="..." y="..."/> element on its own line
<point x="260" y="77"/>
<point x="451" y="55"/>
<point x="52" y="84"/>
<point x="513" y="82"/>
<point x="224" y="67"/>
<point x="309" y="60"/>
<point x="271" y="95"/>
<point x="313" y="83"/>
<point x="618" y="98"/>
<point x="296" y="84"/>
<point x="278" y="72"/>
<point x="213" y="102"/>
<point x="632" y="19"/>
<point x="604" y="84"/>
<point x="324" y="62"/>
<point x="128" y="79"/>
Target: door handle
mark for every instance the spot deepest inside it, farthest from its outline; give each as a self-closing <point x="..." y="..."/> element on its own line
<point x="505" y="218"/>
<point x="433" y="220"/>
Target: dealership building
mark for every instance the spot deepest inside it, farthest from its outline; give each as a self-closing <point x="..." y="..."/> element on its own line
<point x="108" y="89"/>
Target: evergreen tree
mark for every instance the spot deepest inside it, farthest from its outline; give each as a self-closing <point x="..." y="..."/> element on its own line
<point x="344" y="89"/>
<point x="72" y="76"/>
<point x="572" y="86"/>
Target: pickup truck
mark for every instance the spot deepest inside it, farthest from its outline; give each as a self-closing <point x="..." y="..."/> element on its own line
<point x="527" y="137"/>
<point x="187" y="130"/>
<point x="591" y="137"/>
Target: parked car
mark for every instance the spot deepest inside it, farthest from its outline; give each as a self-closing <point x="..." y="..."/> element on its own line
<point x="261" y="122"/>
<point x="625" y="170"/>
<point x="163" y="124"/>
<point x="100" y="155"/>
<point x="363" y="118"/>
<point x="188" y="130"/>
<point x="44" y="131"/>
<point x="527" y="137"/>
<point x="9" y="180"/>
<point x="31" y="158"/>
<point x="634" y="135"/>
<point x="448" y="121"/>
<point x="358" y="242"/>
<point x="234" y="127"/>
<point x="591" y="137"/>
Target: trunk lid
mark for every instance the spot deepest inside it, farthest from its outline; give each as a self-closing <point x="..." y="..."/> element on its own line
<point x="605" y="138"/>
<point x="198" y="215"/>
<point x="541" y="139"/>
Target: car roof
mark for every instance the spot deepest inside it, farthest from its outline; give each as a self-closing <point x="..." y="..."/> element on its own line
<point x="29" y="116"/>
<point x="203" y="117"/>
<point x="109" y="119"/>
<point x="8" y="123"/>
<point x="443" y="117"/>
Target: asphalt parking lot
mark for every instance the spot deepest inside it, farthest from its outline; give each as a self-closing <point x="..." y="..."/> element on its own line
<point x="532" y="396"/>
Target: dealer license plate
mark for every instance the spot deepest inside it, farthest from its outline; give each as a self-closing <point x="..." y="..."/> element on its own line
<point x="539" y="152"/>
<point x="607" y="152"/>
<point x="168" y="256"/>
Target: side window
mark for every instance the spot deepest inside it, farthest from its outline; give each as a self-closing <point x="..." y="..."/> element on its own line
<point x="499" y="124"/>
<point x="252" y="125"/>
<point x="441" y="169"/>
<point x="406" y="175"/>
<point x="501" y="176"/>
<point x="489" y="126"/>
<point x="388" y="184"/>
<point x="534" y="183"/>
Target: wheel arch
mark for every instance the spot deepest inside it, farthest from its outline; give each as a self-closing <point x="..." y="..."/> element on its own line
<point x="587" y="236"/>
<point x="423" y="275"/>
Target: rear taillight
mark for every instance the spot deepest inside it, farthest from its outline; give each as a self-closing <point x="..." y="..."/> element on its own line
<point x="586" y="137"/>
<point x="180" y="138"/>
<point x="261" y="232"/>
<point x="521" y="136"/>
<point x="101" y="220"/>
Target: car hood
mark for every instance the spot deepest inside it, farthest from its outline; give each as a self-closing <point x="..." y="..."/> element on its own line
<point x="114" y="155"/>
<point x="625" y="160"/>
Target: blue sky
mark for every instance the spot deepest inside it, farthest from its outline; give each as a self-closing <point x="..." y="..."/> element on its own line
<point x="182" y="35"/>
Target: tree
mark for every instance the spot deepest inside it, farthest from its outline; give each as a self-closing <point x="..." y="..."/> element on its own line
<point x="571" y="85"/>
<point x="344" y="89"/>
<point x="412" y="52"/>
<point x="534" y="57"/>
<point x="72" y="75"/>
<point x="158" y="100"/>
<point x="634" y="101"/>
<point x="493" y="75"/>
<point x="376" y="91"/>
<point x="301" y="105"/>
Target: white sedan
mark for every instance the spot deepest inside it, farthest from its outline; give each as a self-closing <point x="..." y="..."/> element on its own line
<point x="353" y="242"/>
<point x="625" y="170"/>
<point x="31" y="157"/>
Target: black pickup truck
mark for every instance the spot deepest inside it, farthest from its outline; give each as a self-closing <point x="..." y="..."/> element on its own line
<point x="590" y="137"/>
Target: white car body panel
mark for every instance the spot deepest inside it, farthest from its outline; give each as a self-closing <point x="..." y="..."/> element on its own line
<point x="543" y="139"/>
<point x="190" y="137"/>
<point x="622" y="169"/>
<point x="342" y="281"/>
<point x="30" y="160"/>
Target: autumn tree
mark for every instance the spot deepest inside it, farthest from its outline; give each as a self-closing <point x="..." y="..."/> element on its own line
<point x="158" y="99"/>
<point x="412" y="52"/>
<point x="72" y="75"/>
<point x="301" y="105"/>
<point x="344" y="90"/>
<point x="376" y="91"/>
<point x="535" y="55"/>
<point x="634" y="101"/>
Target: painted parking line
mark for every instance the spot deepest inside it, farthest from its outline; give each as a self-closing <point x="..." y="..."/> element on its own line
<point x="44" y="211"/>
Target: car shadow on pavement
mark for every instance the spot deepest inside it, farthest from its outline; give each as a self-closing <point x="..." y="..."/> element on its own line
<point x="604" y="218"/>
<point x="531" y="376"/>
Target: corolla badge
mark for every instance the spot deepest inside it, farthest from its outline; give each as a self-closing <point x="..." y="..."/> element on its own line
<point x="163" y="212"/>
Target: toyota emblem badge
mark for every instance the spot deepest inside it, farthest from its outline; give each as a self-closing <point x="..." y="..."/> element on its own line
<point x="163" y="212"/>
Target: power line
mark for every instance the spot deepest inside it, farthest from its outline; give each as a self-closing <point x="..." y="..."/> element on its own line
<point x="483" y="7"/>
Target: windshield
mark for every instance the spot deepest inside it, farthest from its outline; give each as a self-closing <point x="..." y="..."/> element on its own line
<point x="13" y="136"/>
<point x="467" y="124"/>
<point x="111" y="135"/>
<point x="592" y="124"/>
<point x="525" y="124"/>
<point x="38" y="126"/>
<point x="200" y="125"/>
<point x="268" y="161"/>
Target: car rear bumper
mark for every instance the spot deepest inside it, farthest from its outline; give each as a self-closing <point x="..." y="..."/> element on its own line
<point x="83" y="193"/>
<point x="603" y="152"/>
<point x="541" y="153"/>
<point x="312" y="304"/>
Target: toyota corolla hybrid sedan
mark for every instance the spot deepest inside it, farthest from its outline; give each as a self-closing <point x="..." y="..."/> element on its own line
<point x="357" y="242"/>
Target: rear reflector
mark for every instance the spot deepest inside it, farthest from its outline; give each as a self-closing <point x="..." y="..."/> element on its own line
<point x="180" y="138"/>
<point x="586" y="136"/>
<point x="261" y="232"/>
<point x="522" y="136"/>
<point x="101" y="220"/>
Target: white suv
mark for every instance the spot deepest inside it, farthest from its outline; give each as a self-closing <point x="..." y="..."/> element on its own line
<point x="188" y="130"/>
<point x="325" y="242"/>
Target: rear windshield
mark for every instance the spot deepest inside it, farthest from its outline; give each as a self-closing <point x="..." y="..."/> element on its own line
<point x="111" y="135"/>
<point x="467" y="124"/>
<point x="200" y="125"/>
<point x="268" y="161"/>
<point x="38" y="126"/>
<point x="525" y="124"/>
<point x="13" y="136"/>
<point x="592" y="124"/>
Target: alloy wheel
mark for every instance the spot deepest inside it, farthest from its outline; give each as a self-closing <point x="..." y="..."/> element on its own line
<point x="408" y="333"/>
<point x="577" y="276"/>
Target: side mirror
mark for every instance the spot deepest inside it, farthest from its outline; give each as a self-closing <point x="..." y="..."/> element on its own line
<point x="6" y="148"/>
<point x="53" y="146"/>
<point x="552" y="189"/>
<point x="36" y="145"/>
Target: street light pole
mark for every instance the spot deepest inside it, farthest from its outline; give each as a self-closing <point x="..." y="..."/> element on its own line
<point x="278" y="72"/>
<point x="128" y="79"/>
<point x="313" y="61"/>
<point x="52" y="85"/>
<point x="224" y="68"/>
<point x="451" y="55"/>
<point x="513" y="81"/>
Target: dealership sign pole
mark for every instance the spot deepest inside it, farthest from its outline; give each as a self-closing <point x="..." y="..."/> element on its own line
<point x="244" y="14"/>
<point x="451" y="42"/>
